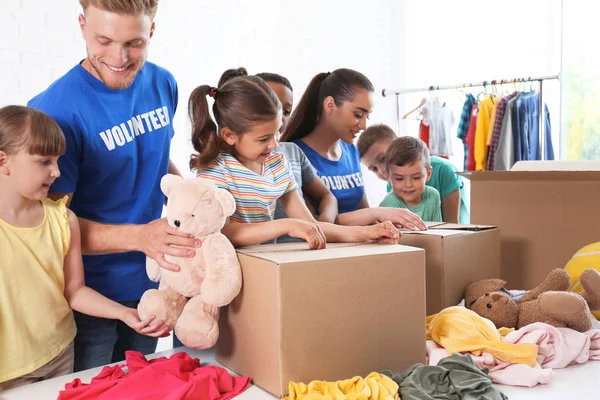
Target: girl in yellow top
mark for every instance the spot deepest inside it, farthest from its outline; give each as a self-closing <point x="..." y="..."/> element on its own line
<point x="41" y="269"/>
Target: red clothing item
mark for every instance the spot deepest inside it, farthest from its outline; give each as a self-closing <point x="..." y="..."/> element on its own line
<point x="424" y="133"/>
<point x="176" y="378"/>
<point x="424" y="136"/>
<point x="470" y="139"/>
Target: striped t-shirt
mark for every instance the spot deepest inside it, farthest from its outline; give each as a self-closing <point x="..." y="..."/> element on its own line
<point x="255" y="195"/>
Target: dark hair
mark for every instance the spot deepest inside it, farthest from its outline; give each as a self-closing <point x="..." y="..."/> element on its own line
<point x="25" y="127"/>
<point x="230" y="74"/>
<point x="406" y="150"/>
<point x="240" y="103"/>
<point x="275" y="78"/>
<point x="341" y="84"/>
<point x="373" y="134"/>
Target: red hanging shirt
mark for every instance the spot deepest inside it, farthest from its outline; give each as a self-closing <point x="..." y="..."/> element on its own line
<point x="471" y="139"/>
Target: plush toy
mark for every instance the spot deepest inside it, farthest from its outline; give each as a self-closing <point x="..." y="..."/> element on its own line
<point x="585" y="258"/>
<point x="189" y="300"/>
<point x="549" y="302"/>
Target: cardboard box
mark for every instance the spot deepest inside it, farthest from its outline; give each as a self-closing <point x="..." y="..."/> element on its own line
<point x="456" y="255"/>
<point x="546" y="211"/>
<point x="328" y="314"/>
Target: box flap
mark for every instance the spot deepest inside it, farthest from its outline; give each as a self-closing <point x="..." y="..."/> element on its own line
<point x="291" y="246"/>
<point x="531" y="176"/>
<point x="558" y="165"/>
<point x="448" y="229"/>
<point x="464" y="227"/>
<point x="434" y="232"/>
<point x="281" y="255"/>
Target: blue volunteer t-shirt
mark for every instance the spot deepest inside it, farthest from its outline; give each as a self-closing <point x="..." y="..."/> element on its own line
<point x="342" y="177"/>
<point x="118" y="144"/>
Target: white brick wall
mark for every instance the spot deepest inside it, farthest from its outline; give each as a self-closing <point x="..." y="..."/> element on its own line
<point x="198" y="39"/>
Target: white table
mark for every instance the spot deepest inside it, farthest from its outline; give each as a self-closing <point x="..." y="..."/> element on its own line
<point x="576" y="382"/>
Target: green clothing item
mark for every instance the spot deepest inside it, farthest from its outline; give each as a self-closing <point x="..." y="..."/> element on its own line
<point x="429" y="210"/>
<point x="444" y="179"/>
<point x="454" y="378"/>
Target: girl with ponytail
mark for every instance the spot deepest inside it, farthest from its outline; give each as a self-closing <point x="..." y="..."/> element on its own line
<point x="331" y="113"/>
<point x="236" y="152"/>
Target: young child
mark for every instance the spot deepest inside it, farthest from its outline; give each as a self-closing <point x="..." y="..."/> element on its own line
<point x="372" y="146"/>
<point x="409" y="168"/>
<point x="237" y="153"/>
<point x="304" y="173"/>
<point x="41" y="269"/>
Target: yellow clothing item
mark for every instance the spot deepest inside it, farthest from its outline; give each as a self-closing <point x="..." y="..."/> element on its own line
<point x="458" y="329"/>
<point x="482" y="129"/>
<point x="374" y="387"/>
<point x="36" y="322"/>
<point x="490" y="133"/>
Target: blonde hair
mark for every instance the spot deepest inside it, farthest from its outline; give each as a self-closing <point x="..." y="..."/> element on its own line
<point x="25" y="127"/>
<point x="124" y="7"/>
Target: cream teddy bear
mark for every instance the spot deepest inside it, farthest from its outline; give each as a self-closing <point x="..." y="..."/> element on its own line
<point x="211" y="279"/>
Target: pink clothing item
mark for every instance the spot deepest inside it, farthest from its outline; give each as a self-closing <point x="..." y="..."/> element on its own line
<point x="594" y="336"/>
<point x="557" y="348"/>
<point x="498" y="371"/>
<point x="176" y="378"/>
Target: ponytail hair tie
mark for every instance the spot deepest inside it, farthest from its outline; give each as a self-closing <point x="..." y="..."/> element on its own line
<point x="214" y="92"/>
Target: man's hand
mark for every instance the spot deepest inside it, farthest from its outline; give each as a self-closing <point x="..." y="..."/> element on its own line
<point x="157" y="238"/>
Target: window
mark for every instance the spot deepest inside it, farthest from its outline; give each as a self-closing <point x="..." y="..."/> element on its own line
<point x="580" y="137"/>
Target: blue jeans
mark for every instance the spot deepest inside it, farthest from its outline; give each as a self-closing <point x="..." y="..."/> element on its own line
<point x="102" y="341"/>
<point x="176" y="342"/>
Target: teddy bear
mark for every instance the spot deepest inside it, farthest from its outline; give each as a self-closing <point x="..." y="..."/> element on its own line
<point x="550" y="302"/>
<point x="188" y="300"/>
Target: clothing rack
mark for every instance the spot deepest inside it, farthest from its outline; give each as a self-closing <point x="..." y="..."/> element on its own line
<point x="484" y="84"/>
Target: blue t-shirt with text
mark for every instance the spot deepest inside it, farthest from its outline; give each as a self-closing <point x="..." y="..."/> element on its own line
<point x="118" y="144"/>
<point x="343" y="177"/>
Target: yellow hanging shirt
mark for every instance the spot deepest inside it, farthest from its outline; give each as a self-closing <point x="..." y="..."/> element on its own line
<point x="36" y="322"/>
<point x="482" y="129"/>
<point x="374" y="387"/>
<point x="459" y="330"/>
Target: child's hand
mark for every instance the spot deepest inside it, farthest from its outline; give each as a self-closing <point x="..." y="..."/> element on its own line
<point x="149" y="327"/>
<point x="383" y="232"/>
<point x="308" y="231"/>
<point x="402" y="218"/>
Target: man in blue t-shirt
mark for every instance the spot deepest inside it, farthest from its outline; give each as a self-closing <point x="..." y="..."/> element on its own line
<point x="116" y="111"/>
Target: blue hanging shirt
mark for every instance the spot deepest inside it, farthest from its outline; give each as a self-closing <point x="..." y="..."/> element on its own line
<point x="118" y="144"/>
<point x="343" y="177"/>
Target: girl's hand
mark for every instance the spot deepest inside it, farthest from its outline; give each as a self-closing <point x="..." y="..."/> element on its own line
<point x="149" y="327"/>
<point x="402" y="218"/>
<point x="383" y="232"/>
<point x="308" y="231"/>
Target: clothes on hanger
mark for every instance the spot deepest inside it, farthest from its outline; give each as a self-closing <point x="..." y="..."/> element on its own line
<point x="471" y="139"/>
<point x="464" y="125"/>
<point x="507" y="130"/>
<point x="496" y="131"/>
<point x="439" y="117"/>
<point x="486" y="108"/>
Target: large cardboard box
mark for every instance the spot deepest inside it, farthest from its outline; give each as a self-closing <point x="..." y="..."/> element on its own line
<point x="546" y="211"/>
<point x="328" y="314"/>
<point x="456" y="255"/>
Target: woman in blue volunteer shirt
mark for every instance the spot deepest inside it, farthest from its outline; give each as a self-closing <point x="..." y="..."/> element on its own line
<point x="330" y="115"/>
